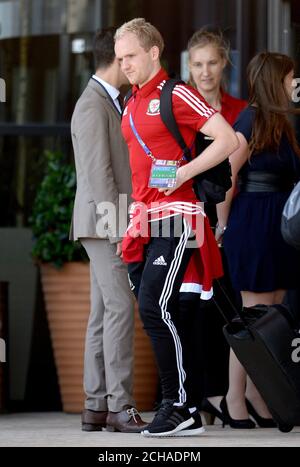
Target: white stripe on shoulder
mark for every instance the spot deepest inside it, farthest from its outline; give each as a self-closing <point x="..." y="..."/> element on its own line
<point x="194" y="99"/>
<point x="187" y="90"/>
<point x="161" y="85"/>
<point x="196" y="107"/>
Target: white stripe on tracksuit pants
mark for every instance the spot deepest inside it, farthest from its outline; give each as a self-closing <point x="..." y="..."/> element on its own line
<point x="157" y="282"/>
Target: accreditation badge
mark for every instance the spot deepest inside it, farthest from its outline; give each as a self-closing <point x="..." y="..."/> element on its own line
<point x="163" y="174"/>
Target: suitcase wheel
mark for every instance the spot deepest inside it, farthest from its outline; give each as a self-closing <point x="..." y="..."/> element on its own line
<point x="285" y="427"/>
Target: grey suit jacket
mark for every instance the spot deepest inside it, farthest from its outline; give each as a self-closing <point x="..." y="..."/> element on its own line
<point x="102" y="167"/>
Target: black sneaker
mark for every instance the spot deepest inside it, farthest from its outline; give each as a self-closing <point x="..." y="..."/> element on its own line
<point x="169" y="420"/>
<point x="193" y="430"/>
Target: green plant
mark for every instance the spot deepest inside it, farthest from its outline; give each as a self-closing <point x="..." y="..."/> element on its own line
<point x="52" y="212"/>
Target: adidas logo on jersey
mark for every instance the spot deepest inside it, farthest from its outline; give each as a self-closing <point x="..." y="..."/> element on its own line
<point x="160" y="261"/>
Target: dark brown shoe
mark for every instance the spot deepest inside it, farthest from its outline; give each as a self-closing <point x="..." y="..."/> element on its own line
<point x="126" y="421"/>
<point x="92" y="420"/>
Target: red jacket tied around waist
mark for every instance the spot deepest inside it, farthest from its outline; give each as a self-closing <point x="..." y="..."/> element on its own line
<point x="206" y="262"/>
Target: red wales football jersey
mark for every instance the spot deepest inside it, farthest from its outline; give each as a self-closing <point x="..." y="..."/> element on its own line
<point x="231" y="107"/>
<point x="191" y="113"/>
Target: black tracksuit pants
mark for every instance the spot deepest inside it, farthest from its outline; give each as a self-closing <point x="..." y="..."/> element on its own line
<point x="156" y="283"/>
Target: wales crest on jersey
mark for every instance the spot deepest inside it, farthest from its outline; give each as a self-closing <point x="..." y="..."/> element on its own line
<point x="153" y="107"/>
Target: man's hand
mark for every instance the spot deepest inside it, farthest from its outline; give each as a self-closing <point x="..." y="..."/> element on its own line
<point x="180" y="179"/>
<point x="119" y="249"/>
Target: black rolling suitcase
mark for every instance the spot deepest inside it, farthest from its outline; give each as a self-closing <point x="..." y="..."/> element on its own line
<point x="267" y="343"/>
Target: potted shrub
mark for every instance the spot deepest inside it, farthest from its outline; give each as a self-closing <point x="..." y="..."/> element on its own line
<point x="65" y="280"/>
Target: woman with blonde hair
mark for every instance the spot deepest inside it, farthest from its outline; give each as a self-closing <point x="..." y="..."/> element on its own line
<point x="208" y="54"/>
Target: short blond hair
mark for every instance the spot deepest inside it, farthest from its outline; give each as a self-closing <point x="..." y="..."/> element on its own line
<point x="146" y="33"/>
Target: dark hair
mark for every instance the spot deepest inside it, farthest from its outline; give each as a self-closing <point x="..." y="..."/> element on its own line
<point x="266" y="73"/>
<point x="104" y="48"/>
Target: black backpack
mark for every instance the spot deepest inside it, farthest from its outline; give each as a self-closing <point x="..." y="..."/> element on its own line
<point x="209" y="186"/>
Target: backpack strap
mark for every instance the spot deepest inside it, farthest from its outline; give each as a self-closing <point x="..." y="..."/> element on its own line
<point x="167" y="115"/>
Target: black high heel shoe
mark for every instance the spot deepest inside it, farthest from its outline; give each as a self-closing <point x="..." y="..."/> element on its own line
<point x="233" y="423"/>
<point x="261" y="421"/>
<point x="210" y="409"/>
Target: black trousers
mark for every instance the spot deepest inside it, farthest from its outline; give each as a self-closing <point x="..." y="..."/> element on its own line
<point x="190" y="325"/>
<point x="156" y="283"/>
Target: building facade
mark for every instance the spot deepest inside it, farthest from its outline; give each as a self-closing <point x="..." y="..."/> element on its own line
<point x="45" y="63"/>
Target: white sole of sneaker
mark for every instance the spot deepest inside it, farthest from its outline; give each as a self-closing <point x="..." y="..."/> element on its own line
<point x="166" y="434"/>
<point x="195" y="432"/>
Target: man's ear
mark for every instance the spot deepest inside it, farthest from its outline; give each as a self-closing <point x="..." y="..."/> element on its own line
<point x="154" y="52"/>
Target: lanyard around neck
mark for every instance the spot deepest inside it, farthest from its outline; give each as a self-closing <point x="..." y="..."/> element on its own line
<point x="143" y="144"/>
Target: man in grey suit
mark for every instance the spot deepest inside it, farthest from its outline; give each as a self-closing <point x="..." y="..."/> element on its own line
<point x="103" y="174"/>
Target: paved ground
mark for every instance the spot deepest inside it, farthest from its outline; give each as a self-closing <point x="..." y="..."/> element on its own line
<point x="59" y="429"/>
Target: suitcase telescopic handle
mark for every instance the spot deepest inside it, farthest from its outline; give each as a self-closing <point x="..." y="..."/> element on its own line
<point x="237" y="311"/>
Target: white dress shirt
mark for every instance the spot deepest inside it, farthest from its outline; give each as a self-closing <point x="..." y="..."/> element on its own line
<point x="112" y="91"/>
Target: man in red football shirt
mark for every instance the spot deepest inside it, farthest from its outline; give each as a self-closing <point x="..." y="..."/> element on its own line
<point x="155" y="156"/>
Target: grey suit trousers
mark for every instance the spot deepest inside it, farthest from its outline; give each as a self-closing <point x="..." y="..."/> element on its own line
<point x="108" y="359"/>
